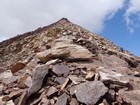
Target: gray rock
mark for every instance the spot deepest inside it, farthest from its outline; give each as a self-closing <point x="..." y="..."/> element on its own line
<point x="90" y="92"/>
<point x="113" y="61"/>
<point x="10" y="79"/>
<point x="60" y="80"/>
<point x="52" y="90"/>
<point x="60" y="70"/>
<point x="37" y="80"/>
<point x="111" y="95"/>
<point x="112" y="77"/>
<point x="62" y="100"/>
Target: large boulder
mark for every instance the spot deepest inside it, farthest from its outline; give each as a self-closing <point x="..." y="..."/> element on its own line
<point x="68" y="51"/>
<point x="90" y="92"/>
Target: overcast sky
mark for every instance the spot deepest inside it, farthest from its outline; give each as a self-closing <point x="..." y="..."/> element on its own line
<point x="20" y="16"/>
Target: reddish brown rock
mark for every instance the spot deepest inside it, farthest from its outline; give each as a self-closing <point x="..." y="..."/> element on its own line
<point x="129" y="97"/>
<point x="21" y="81"/>
<point x="18" y="66"/>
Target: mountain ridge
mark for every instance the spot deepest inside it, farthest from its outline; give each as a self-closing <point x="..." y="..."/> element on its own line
<point x="61" y="63"/>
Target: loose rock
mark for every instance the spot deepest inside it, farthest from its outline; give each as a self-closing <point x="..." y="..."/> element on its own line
<point x="90" y="92"/>
<point x="62" y="100"/>
<point x="38" y="76"/>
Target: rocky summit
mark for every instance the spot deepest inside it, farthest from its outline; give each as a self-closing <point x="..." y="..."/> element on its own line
<point x="64" y="64"/>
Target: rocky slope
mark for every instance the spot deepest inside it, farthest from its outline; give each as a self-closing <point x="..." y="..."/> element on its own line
<point x="64" y="64"/>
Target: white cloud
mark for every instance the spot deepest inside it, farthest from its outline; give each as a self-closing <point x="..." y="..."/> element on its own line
<point x="132" y="15"/>
<point x="19" y="16"/>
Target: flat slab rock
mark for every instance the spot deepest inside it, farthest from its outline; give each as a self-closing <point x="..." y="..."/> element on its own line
<point x="130" y="97"/>
<point x="63" y="50"/>
<point x="62" y="100"/>
<point x="90" y="92"/>
<point x="113" y="77"/>
<point x="61" y="69"/>
<point x="37" y="80"/>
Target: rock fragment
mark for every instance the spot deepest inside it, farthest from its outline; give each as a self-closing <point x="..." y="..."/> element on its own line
<point x="129" y="97"/>
<point x="10" y="79"/>
<point x="38" y="76"/>
<point x="90" y="75"/>
<point x="113" y="77"/>
<point x="62" y="100"/>
<point x="68" y="51"/>
<point x="75" y="79"/>
<point x="60" y="70"/>
<point x="52" y="90"/>
<point x="90" y="92"/>
<point x="18" y="66"/>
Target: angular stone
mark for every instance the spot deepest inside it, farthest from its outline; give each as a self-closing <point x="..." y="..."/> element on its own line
<point x="129" y="97"/>
<point x="62" y="100"/>
<point x="32" y="64"/>
<point x="65" y="83"/>
<point x="75" y="79"/>
<point x="10" y="79"/>
<point x="52" y="54"/>
<point x="37" y="80"/>
<point x="28" y="82"/>
<point x="52" y="90"/>
<point x="60" y="80"/>
<point x="77" y="52"/>
<point x="90" y="92"/>
<point x="63" y="50"/>
<point x="21" y="81"/>
<point x="112" y="77"/>
<point x="61" y="70"/>
<point x="18" y="66"/>
<point x="90" y="75"/>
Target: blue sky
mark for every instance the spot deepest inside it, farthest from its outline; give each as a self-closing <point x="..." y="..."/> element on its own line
<point x="117" y="31"/>
<point x="117" y="20"/>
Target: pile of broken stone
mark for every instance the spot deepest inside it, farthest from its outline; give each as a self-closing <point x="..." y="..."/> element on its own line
<point x="64" y="64"/>
<point x="69" y="74"/>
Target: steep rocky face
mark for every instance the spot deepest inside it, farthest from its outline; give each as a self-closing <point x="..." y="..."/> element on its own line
<point x="64" y="64"/>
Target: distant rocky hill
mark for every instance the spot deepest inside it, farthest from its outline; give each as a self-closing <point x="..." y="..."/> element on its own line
<point x="65" y="64"/>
